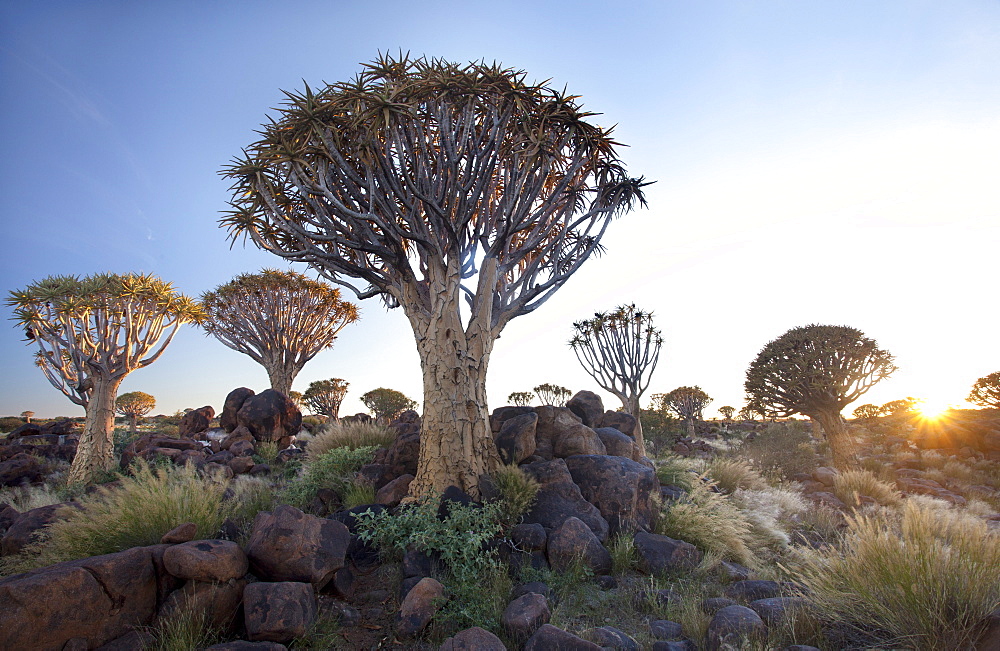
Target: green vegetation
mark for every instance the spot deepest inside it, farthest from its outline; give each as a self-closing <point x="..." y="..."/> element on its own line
<point x="334" y="469"/>
<point x="518" y="493"/>
<point x="351" y="435"/>
<point x="387" y="404"/>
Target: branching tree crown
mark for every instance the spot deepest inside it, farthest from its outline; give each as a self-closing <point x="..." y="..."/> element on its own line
<point x="280" y="319"/>
<point x="387" y="404"/>
<point x="986" y="391"/>
<point x="133" y="405"/>
<point x="552" y="394"/>
<point x="91" y="333"/>
<point x="619" y="349"/>
<point x="687" y="402"/>
<point x="325" y="396"/>
<point x="727" y="412"/>
<point x="867" y="412"/>
<point x="427" y="182"/>
<point x="521" y="398"/>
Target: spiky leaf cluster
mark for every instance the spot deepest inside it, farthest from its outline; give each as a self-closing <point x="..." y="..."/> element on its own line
<point x="106" y="323"/>
<point x="986" y="391"/>
<point x="417" y="166"/>
<point x="552" y="394"/>
<point x="521" y="398"/>
<point x="325" y="396"/>
<point x="387" y="404"/>
<point x="134" y="404"/>
<point x="816" y="369"/>
<point x="686" y="402"/>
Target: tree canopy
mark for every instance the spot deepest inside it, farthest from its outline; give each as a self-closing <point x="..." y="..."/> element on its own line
<point x="521" y="398"/>
<point x="986" y="391"/>
<point x="387" y="404"/>
<point x="325" y="396"/>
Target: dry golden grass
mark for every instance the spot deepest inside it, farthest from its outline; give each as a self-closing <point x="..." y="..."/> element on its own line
<point x="731" y="475"/>
<point x="350" y="435"/>
<point x="851" y="484"/>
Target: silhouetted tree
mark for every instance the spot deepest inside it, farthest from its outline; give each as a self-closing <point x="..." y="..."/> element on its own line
<point x="134" y="405"/>
<point x="325" y="396"/>
<point x="552" y="394"/>
<point x="867" y="412"/>
<point x="986" y="391"/>
<point x="387" y="404"/>
<point x="100" y="327"/>
<point x="817" y="370"/>
<point x="899" y="407"/>
<point x="521" y="398"/>
<point x="687" y="402"/>
<point x="727" y="412"/>
<point x="26" y="415"/>
<point x="619" y="350"/>
<point x="280" y="319"/>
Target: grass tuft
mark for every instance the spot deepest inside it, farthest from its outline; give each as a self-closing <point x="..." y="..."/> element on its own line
<point x="851" y="484"/>
<point x="350" y="435"/>
<point x="709" y="521"/>
<point x="731" y="475"/>
<point x="518" y="493"/>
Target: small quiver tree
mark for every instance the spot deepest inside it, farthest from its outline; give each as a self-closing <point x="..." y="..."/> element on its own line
<point x="27" y="415"/>
<point x="552" y="394"/>
<point x="108" y="325"/>
<point x="461" y="193"/>
<point x="817" y="371"/>
<point x="280" y="319"/>
<point x="324" y="397"/>
<point x="986" y="391"/>
<point x="727" y="412"/>
<point x="387" y="404"/>
<point x="867" y="412"/>
<point x="619" y="350"/>
<point x="134" y="405"/>
<point x="687" y="402"/>
<point x="521" y="398"/>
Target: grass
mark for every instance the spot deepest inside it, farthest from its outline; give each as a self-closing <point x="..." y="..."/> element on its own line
<point x="358" y="494"/>
<point x="25" y="498"/>
<point x="675" y="470"/>
<point x="186" y="630"/>
<point x="771" y="513"/>
<point x="850" y="484"/>
<point x="334" y="469"/>
<point x="350" y="435"/>
<point x="518" y="493"/>
<point x="731" y="475"/>
<point x="921" y="577"/>
<point x="711" y="522"/>
<point x="623" y="555"/>
<point x="782" y="450"/>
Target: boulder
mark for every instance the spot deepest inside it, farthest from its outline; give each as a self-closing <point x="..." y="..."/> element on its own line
<point x="552" y="423"/>
<point x="238" y="435"/>
<point x="401" y="456"/>
<point x="660" y="554"/>
<point x="734" y="627"/>
<point x="288" y="545"/>
<point x="129" y="642"/>
<point x="195" y="421"/>
<point x="393" y="493"/>
<point x="664" y="629"/>
<point x="621" y="489"/>
<point x="528" y="537"/>
<point x="21" y="469"/>
<point x="779" y="611"/>
<point x="525" y="614"/>
<point x="278" y="612"/>
<point x="611" y="637"/>
<point x="219" y="601"/>
<point x="501" y="415"/>
<point x="751" y="590"/>
<point x="206" y="560"/>
<point x="241" y="465"/>
<point x="712" y="605"/>
<point x="560" y="499"/>
<point x="550" y="638"/>
<point x="235" y="399"/>
<point x="516" y="439"/>
<point x="825" y="475"/>
<point x="243" y="645"/>
<point x="22" y="530"/>
<point x="270" y="416"/>
<point x="421" y="603"/>
<point x="7" y="516"/>
<point x="624" y="423"/>
<point x="574" y="541"/>
<point x="473" y="639"/>
<point x="577" y="439"/>
<point x="588" y="406"/>
<point x="182" y="533"/>
<point x="618" y="444"/>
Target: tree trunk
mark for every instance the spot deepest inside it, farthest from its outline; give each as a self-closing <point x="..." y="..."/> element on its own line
<point x="133" y="423"/>
<point x="96" y="451"/>
<point x="631" y="405"/>
<point x="281" y="378"/>
<point x="690" y="427"/>
<point x="838" y="437"/>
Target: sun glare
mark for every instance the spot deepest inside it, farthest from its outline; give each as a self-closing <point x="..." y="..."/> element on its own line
<point x="932" y="409"/>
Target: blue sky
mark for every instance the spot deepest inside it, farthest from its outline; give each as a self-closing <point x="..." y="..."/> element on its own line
<point x="830" y="162"/>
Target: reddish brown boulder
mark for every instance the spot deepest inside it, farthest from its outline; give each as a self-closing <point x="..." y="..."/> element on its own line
<point x="270" y="416"/>
<point x="182" y="533"/>
<point x="618" y="444"/>
<point x="219" y="601"/>
<point x="206" y="560"/>
<point x="22" y="530"/>
<point x="552" y="422"/>
<point x="577" y="439"/>
<point x="196" y="420"/>
<point x="401" y="456"/>
<point x="278" y="612"/>
<point x="560" y="499"/>
<point x="288" y="545"/>
<point x="575" y="542"/>
<point x="392" y="493"/>
<point x="524" y="615"/>
<point x="7" y="516"/>
<point x="624" y="423"/>
<point x="501" y="415"/>
<point x="660" y="554"/>
<point x="21" y="469"/>
<point x="473" y="639"/>
<point x="421" y="603"/>
<point x="516" y="439"/>
<point x="621" y="489"/>
<point x="241" y="449"/>
<point x="235" y="399"/>
<point x="237" y="435"/>
<point x="243" y="645"/>
<point x="241" y="465"/>
<point x="588" y="406"/>
<point x="549" y="638"/>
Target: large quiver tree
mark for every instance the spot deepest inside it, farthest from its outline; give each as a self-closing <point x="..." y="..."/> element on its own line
<point x="428" y="183"/>
<point x="280" y="319"/>
<point x="986" y="391"/>
<point x="108" y="325"/>
<point x="816" y="371"/>
<point x="619" y="350"/>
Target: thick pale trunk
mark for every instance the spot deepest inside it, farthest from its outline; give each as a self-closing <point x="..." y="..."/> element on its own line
<point x="96" y="451"/>
<point x="631" y="405"/>
<point x="133" y="422"/>
<point x="838" y="437"/>
<point x="690" y="427"/>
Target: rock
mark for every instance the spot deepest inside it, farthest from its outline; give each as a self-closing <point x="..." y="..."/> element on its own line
<point x="621" y="489"/>
<point x="552" y="423"/>
<point x="206" y="560"/>
<point x="8" y="514"/>
<point x="235" y="399"/>
<point x="528" y="537"/>
<point x="182" y="533"/>
<point x="419" y="606"/>
<point x="624" y="423"/>
<point x="453" y="495"/>
<point x="21" y="469"/>
<point x="606" y="582"/>
<point x="734" y="627"/>
<point x="393" y="493"/>
<point x="989" y="637"/>
<point x="241" y="465"/>
<point x="533" y="586"/>
<point x="588" y="406"/>
<point x="129" y="642"/>
<point x="243" y="645"/>
<point x="516" y="439"/>
<point x="577" y="439"/>
<point x="218" y="471"/>
<point x="195" y="421"/>
<point x="574" y="541"/>
<point x="560" y="499"/>
<point x="618" y="444"/>
<point x="473" y="639"/>
<point x="712" y="605"/>
<point x="664" y="629"/>
<point x="278" y="612"/>
<point x="223" y="457"/>
<point x="288" y="545"/>
<point x="753" y="590"/>
<point x="241" y="449"/>
<point x="237" y="435"/>
<point x="734" y="571"/>
<point x="23" y="529"/>
<point x="401" y="456"/>
<point x="525" y="614"/>
<point x="660" y="554"/>
<point x="220" y="602"/>
<point x="550" y="638"/>
<point x="610" y="637"/>
<point x="825" y="475"/>
<point x="828" y="499"/>
<point x="674" y="645"/>
<point x="501" y="415"/>
<point x="779" y="611"/>
<point x="270" y="416"/>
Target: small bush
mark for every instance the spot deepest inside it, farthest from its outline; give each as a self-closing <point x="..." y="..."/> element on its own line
<point x="709" y="521"/>
<point x="850" y="484"/>
<point x="782" y="450"/>
<point x="351" y="435"/>
<point x="518" y="493"/>
<point x="334" y="469"/>
<point x="266" y="451"/>
<point x="925" y="578"/>
<point x="358" y="494"/>
<point x="623" y="555"/>
<point x="731" y="475"/>
<point x="185" y="630"/>
<point x="675" y="470"/>
<point x="10" y="423"/>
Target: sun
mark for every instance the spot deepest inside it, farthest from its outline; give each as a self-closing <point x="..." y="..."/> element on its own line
<point x="932" y="409"/>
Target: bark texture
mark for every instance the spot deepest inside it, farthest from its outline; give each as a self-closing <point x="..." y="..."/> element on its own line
<point x="95" y="452"/>
<point x="838" y="437"/>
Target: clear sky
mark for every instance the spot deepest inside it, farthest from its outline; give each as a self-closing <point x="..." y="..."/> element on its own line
<point x="815" y="162"/>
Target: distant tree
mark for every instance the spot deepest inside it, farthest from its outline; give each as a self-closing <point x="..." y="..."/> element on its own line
<point x="817" y="370"/>
<point x="521" y="398"/>
<point x="619" y="349"/>
<point x="459" y="192"/>
<point x="986" y="391"/>
<point x="686" y="402"/>
<point x="727" y="412"/>
<point x="296" y="397"/>
<point x="552" y="394"/>
<point x="26" y="415"/>
<point x="387" y="404"/>
<point x="899" y="407"/>
<point x="868" y="412"/>
<point x="134" y="405"/>
<point x="107" y="325"/>
<point x="280" y="319"/>
<point x="325" y="396"/>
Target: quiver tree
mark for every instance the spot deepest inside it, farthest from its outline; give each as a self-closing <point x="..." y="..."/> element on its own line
<point x="387" y="404"/>
<point x="430" y="184"/>
<point x="521" y="398"/>
<point x="552" y="394"/>
<point x="26" y="415"/>
<point x="687" y="402"/>
<point x="867" y="412"/>
<point x="727" y="412"/>
<point x="324" y="397"/>
<point x="280" y="319"/>
<point x="134" y="405"/>
<point x="619" y="350"/>
<point x="986" y="391"/>
<point x="816" y="371"/>
<point x="108" y="325"/>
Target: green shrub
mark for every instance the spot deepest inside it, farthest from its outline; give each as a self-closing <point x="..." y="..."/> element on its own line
<point x="851" y="484"/>
<point x="923" y="578"/>
<point x="351" y="435"/>
<point x="518" y="493"/>
<point x="624" y="558"/>
<point x="266" y="451"/>
<point x="10" y="423"/>
<point x="138" y="512"/>
<point x="733" y="474"/>
<point x="782" y="450"/>
<point x="334" y="469"/>
<point x="675" y="470"/>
